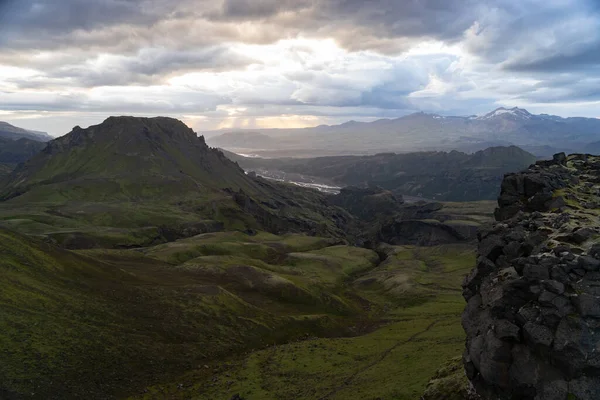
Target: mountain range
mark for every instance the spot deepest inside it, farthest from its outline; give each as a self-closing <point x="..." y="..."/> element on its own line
<point x="542" y="135"/>
<point x="8" y="131"/>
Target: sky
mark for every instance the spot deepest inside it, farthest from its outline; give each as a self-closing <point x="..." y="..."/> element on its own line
<point x="220" y="64"/>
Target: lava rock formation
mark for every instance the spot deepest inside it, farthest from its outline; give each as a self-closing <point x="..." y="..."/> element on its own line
<point x="533" y="301"/>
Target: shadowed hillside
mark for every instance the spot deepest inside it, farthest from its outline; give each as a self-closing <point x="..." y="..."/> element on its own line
<point x="452" y="176"/>
<point x="13" y="152"/>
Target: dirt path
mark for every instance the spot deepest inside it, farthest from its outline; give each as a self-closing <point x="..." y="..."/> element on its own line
<point x="379" y="359"/>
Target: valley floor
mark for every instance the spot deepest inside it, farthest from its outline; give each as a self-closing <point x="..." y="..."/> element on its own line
<point x="415" y="303"/>
<point x="220" y="314"/>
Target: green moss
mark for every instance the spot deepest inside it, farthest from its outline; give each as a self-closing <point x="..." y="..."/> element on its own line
<point x="449" y="382"/>
<point x="394" y="360"/>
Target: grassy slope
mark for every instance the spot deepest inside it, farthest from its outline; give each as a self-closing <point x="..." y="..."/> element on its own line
<point x="104" y="323"/>
<point x="143" y="174"/>
<point x="126" y="158"/>
<point x="125" y="223"/>
<point x="415" y="294"/>
<point x="100" y="323"/>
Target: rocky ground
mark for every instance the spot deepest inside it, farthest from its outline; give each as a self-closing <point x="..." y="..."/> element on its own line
<point x="533" y="313"/>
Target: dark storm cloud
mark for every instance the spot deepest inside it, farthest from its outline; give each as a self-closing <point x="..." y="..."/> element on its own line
<point x="148" y="66"/>
<point x="534" y="36"/>
<point x="42" y="24"/>
<point x="443" y="19"/>
<point x="257" y="9"/>
<point x="435" y="18"/>
<point x="51" y="17"/>
<point x="563" y="59"/>
<point x="359" y="24"/>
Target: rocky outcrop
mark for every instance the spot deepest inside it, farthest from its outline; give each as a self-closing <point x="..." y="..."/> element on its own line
<point x="367" y="203"/>
<point x="533" y="301"/>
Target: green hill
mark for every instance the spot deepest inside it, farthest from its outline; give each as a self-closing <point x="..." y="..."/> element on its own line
<point x="138" y="181"/>
<point x="128" y="158"/>
<point x="195" y="312"/>
<point x="100" y="324"/>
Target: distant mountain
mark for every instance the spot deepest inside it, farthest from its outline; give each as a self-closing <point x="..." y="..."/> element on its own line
<point x="423" y="132"/>
<point x="448" y="176"/>
<point x="8" y="131"/>
<point x="244" y="139"/>
<point x="515" y="113"/>
<point x="593" y="148"/>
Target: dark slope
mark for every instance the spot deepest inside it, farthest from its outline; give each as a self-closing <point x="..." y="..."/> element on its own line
<point x="449" y="176"/>
<point x="13" y="152"/>
<point x="5" y="170"/>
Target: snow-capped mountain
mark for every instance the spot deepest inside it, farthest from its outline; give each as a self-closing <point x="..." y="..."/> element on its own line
<point x="513" y="113"/>
<point x="541" y="134"/>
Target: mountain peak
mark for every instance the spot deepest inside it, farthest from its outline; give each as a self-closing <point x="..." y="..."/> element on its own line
<point x="128" y="157"/>
<point x="124" y="133"/>
<point x="503" y="112"/>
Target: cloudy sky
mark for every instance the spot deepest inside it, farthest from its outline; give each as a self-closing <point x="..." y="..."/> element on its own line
<point x="293" y="63"/>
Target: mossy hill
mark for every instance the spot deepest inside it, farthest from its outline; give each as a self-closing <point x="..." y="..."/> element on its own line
<point x="210" y="316"/>
<point x="137" y="181"/>
<point x="129" y="158"/>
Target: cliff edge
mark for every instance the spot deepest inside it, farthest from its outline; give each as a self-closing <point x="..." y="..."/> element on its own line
<point x="533" y="301"/>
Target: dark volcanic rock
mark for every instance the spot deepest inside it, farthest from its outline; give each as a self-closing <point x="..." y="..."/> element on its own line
<point x="533" y="313"/>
